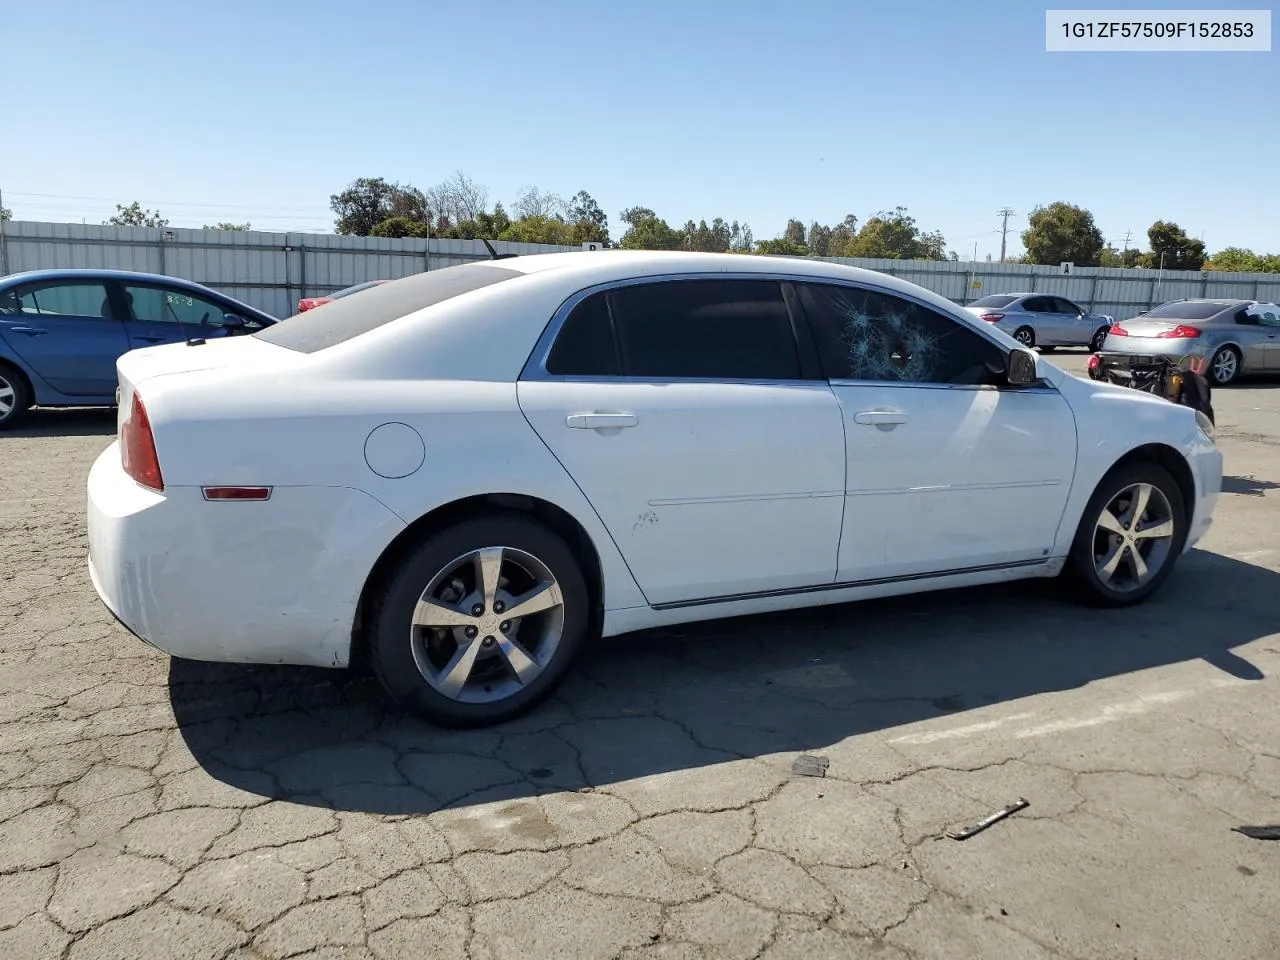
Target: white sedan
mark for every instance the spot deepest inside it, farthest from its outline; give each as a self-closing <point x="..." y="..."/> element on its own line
<point x="464" y="475"/>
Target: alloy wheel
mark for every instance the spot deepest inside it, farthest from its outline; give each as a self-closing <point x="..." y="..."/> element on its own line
<point x="1225" y="366"/>
<point x="8" y="397"/>
<point x="487" y="625"/>
<point x="1133" y="537"/>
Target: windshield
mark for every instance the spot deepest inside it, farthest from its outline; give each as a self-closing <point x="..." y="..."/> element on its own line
<point x="347" y="318"/>
<point x="994" y="301"/>
<point x="1188" y="310"/>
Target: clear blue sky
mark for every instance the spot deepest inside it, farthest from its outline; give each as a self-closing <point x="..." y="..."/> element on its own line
<point x="756" y="111"/>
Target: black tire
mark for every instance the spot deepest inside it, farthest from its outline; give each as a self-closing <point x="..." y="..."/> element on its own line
<point x="1099" y="338"/>
<point x="1213" y="367"/>
<point x="392" y="654"/>
<point x="1081" y="570"/>
<point x="1025" y="336"/>
<point x="12" y="380"/>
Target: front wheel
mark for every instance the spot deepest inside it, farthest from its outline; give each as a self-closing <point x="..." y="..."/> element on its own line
<point x="480" y="622"/>
<point x="1099" y="338"/>
<point x="1130" y="536"/>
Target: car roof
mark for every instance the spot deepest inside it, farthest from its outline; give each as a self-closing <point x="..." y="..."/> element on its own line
<point x="77" y="273"/>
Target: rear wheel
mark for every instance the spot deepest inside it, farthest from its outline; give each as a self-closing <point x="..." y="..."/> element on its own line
<point x="1225" y="366"/>
<point x="480" y="622"/>
<point x="1130" y="536"/>
<point x="1025" y="336"/>
<point x="15" y="397"/>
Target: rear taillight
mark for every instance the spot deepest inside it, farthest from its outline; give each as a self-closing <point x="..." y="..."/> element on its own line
<point x="1094" y="360"/>
<point x="1180" y="332"/>
<point x="1117" y="331"/>
<point x="992" y="317"/>
<point x="138" y="448"/>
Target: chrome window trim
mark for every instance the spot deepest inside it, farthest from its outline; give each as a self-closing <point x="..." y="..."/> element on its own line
<point x="535" y="368"/>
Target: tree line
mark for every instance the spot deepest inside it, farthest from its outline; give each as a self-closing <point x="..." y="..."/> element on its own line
<point x="459" y="208"/>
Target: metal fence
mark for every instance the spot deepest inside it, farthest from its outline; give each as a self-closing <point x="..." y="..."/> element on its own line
<point x="271" y="271"/>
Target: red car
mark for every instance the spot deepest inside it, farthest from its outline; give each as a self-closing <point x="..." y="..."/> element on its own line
<point x="307" y="303"/>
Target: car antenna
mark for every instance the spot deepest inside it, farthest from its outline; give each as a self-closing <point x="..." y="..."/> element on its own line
<point x="494" y="254"/>
<point x="191" y="341"/>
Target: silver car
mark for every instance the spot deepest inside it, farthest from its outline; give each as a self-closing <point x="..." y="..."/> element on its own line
<point x="1220" y="339"/>
<point x="1043" y="320"/>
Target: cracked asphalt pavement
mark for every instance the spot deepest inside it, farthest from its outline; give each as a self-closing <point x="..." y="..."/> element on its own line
<point x="152" y="808"/>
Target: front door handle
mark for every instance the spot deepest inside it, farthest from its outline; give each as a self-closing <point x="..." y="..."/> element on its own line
<point x="30" y="331"/>
<point x="152" y="339"/>
<point x="600" y="421"/>
<point x="880" y="418"/>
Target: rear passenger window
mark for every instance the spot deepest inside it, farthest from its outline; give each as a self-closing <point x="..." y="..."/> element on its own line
<point x="706" y="329"/>
<point x="585" y="345"/>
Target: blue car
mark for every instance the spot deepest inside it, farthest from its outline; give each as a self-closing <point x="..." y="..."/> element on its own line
<point x="61" y="331"/>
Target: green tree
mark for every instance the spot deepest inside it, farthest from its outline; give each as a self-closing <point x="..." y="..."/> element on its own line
<point x="540" y="228"/>
<point x="397" y="227"/>
<point x="895" y="236"/>
<point x="134" y="216"/>
<point x="794" y="232"/>
<point x="1062" y="232"/>
<point x="740" y="238"/>
<point x="1172" y="248"/>
<point x="223" y="225"/>
<point x="5" y="214"/>
<point x="590" y="222"/>
<point x="782" y="247"/>
<point x="1240" y="260"/>
<point x="367" y="201"/>
<point x="1111" y="257"/>
<point x="842" y="236"/>
<point x="819" y="240"/>
<point x="647" y="231"/>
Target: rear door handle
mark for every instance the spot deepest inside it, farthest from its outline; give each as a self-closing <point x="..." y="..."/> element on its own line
<point x="881" y="417"/>
<point x="151" y="339"/>
<point x="30" y="331"/>
<point x="600" y="421"/>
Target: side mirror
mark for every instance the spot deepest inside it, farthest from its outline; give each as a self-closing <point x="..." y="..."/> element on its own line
<point x="232" y="323"/>
<point x="1020" y="368"/>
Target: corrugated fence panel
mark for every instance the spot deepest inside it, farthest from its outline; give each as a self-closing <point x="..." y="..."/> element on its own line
<point x="272" y="271"/>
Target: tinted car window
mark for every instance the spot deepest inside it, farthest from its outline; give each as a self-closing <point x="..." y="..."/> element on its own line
<point x="60" y="299"/>
<point x="719" y="329"/>
<point x="175" y="305"/>
<point x="349" y="317"/>
<point x="585" y="345"/>
<point x="1038" y="305"/>
<point x="993" y="301"/>
<point x="865" y="335"/>
<point x="1065" y="306"/>
<point x="1187" y="310"/>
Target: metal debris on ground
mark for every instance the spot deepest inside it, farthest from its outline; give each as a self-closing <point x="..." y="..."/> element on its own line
<point x="808" y="765"/>
<point x="981" y="825"/>
<point x="1271" y="832"/>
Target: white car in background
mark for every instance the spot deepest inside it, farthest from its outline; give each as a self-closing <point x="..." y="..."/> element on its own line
<point x="1043" y="320"/>
<point x="467" y="473"/>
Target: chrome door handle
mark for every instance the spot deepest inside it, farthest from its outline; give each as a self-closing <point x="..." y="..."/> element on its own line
<point x="600" y="421"/>
<point x="30" y="331"/>
<point x="880" y="417"/>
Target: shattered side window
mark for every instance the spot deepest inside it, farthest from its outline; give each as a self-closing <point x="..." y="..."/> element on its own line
<point x="864" y="335"/>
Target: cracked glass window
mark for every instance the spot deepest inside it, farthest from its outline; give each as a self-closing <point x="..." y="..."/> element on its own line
<point x="865" y="335"/>
<point x="706" y="329"/>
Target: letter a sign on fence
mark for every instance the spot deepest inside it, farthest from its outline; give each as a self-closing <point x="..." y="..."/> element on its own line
<point x="1065" y="268"/>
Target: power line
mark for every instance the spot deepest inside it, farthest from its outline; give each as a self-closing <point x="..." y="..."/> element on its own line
<point x="171" y="203"/>
<point x="1005" y="213"/>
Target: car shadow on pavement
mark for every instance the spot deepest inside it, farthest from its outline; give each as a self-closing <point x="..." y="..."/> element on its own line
<point x="692" y="698"/>
<point x="1249" y="486"/>
<point x="68" y="422"/>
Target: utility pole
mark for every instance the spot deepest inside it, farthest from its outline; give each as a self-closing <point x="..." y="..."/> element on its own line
<point x="975" y="251"/>
<point x="1005" y="214"/>
<point x="4" y="244"/>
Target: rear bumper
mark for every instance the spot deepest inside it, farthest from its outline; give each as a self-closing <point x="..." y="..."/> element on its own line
<point x="273" y="582"/>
